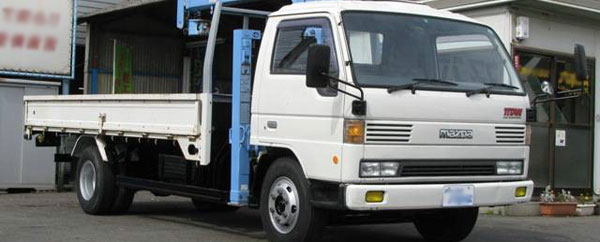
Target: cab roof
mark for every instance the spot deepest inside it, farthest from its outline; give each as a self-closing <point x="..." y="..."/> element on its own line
<point x="336" y="7"/>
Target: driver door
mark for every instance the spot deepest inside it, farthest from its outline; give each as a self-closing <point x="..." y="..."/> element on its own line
<point x="289" y="114"/>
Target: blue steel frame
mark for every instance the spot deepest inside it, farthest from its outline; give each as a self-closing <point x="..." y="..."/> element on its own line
<point x="53" y="76"/>
<point x="239" y="134"/>
<point x="184" y="6"/>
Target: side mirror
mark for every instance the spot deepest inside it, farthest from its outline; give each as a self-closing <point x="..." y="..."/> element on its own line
<point x="581" y="67"/>
<point x="547" y="88"/>
<point x="317" y="63"/>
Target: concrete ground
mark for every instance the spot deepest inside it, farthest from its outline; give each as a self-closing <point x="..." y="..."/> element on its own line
<point x="57" y="217"/>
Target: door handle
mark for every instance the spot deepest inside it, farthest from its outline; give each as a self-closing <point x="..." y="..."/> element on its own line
<point x="272" y="124"/>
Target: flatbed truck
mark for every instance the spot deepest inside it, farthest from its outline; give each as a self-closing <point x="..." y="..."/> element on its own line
<point x="347" y="111"/>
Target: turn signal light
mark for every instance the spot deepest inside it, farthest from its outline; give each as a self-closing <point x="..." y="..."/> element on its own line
<point x="354" y="131"/>
<point x="528" y="135"/>
<point x="374" y="196"/>
<point x="521" y="192"/>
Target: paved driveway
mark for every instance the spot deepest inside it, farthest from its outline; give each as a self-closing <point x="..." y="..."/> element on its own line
<point x="57" y="217"/>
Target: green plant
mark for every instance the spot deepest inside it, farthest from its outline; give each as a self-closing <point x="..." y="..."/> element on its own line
<point x="565" y="197"/>
<point x="549" y="196"/>
<point x="585" y="199"/>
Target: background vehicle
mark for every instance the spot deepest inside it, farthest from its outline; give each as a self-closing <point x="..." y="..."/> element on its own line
<point x="355" y="111"/>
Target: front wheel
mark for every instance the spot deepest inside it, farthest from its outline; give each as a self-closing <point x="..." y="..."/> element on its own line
<point x="285" y="208"/>
<point x="451" y="225"/>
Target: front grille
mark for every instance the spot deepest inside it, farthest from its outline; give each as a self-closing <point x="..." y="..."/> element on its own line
<point x="446" y="168"/>
<point x="385" y="133"/>
<point x="510" y="134"/>
<point x="433" y="168"/>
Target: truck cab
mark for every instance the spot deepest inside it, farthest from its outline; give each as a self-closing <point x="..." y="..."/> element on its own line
<point x="443" y="123"/>
<point x="416" y="128"/>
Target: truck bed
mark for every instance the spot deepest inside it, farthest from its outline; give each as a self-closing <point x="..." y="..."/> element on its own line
<point x="156" y="116"/>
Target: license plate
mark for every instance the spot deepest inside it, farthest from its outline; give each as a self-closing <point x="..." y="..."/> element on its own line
<point x="458" y="196"/>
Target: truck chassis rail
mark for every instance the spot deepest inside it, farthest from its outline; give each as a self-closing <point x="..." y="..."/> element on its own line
<point x="158" y="187"/>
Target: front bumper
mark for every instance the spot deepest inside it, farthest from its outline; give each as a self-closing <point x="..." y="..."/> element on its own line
<point x="429" y="196"/>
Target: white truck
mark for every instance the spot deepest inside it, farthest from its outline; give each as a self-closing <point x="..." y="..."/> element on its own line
<point x="362" y="111"/>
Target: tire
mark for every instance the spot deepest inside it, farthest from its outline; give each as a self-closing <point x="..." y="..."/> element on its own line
<point x="450" y="225"/>
<point x="123" y="196"/>
<point x="285" y="197"/>
<point x="123" y="200"/>
<point x="203" y="206"/>
<point x="95" y="184"/>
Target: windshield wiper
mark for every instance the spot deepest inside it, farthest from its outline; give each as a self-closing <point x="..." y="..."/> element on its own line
<point x="488" y="89"/>
<point x="500" y="85"/>
<point x="420" y="81"/>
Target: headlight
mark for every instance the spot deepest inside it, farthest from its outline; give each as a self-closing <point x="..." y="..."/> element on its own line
<point x="389" y="168"/>
<point x="370" y="169"/>
<point x="378" y="169"/>
<point x="354" y="131"/>
<point x="509" y="167"/>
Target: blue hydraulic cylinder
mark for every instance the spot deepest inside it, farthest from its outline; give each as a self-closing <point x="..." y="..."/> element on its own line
<point x="239" y="134"/>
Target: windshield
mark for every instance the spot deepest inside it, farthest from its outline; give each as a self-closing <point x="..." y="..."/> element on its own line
<point x="392" y="50"/>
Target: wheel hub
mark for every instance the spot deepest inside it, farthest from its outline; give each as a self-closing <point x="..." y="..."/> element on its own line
<point x="279" y="205"/>
<point x="87" y="180"/>
<point x="283" y="205"/>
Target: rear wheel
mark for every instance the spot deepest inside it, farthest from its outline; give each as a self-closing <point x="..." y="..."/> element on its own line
<point x="95" y="184"/>
<point x="451" y="225"/>
<point x="285" y="208"/>
<point x="123" y="196"/>
<point x="203" y="206"/>
<point x="123" y="200"/>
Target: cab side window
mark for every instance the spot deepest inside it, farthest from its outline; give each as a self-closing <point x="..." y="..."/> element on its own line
<point x="292" y="42"/>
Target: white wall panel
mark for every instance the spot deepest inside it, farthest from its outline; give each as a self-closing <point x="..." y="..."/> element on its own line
<point x="555" y="35"/>
<point x="22" y="164"/>
<point x="497" y="18"/>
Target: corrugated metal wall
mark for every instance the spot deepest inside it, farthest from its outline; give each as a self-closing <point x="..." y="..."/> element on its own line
<point x="85" y="7"/>
<point x="157" y="61"/>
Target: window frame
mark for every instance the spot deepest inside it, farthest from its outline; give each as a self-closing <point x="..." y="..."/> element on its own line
<point x="272" y="69"/>
<point x="424" y="88"/>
